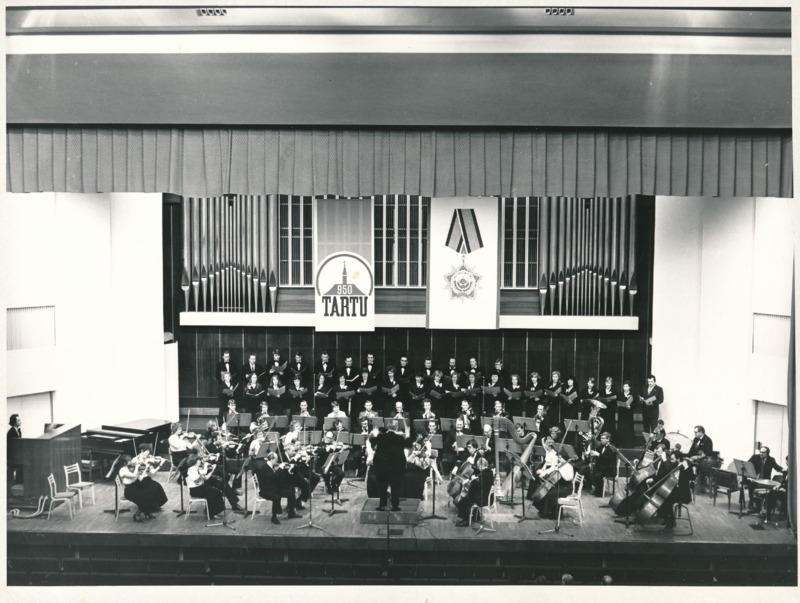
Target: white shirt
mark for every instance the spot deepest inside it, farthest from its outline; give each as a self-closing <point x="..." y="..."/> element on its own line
<point x="194" y="477"/>
<point x="177" y="443"/>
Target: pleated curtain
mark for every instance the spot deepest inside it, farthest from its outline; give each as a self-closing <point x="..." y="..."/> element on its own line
<point x="206" y="162"/>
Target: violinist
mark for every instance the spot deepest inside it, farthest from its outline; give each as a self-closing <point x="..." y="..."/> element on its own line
<point x="400" y="413"/>
<point x="292" y="435"/>
<point x="253" y="393"/>
<point x="555" y="472"/>
<point x="500" y="410"/>
<point x="140" y="488"/>
<point x="181" y="443"/>
<point x="300" y="475"/>
<point x="486" y="447"/>
<point x="335" y="474"/>
<point x="199" y="479"/>
<point x="262" y="415"/>
<point x="477" y="491"/>
<point x="273" y="485"/>
<point x="541" y="421"/>
<point x="470" y="421"/>
<point x="231" y="420"/>
<point x="418" y="465"/>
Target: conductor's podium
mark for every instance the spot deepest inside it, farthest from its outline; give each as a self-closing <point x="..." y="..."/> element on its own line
<point x="408" y="514"/>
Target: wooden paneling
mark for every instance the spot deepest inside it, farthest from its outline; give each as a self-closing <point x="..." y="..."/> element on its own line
<point x="491" y="348"/>
<point x="324" y="341"/>
<point x="348" y="344"/>
<point x="373" y="343"/>
<point x="303" y="341"/>
<point x="187" y="363"/>
<point x="419" y="346"/>
<point x="515" y="354"/>
<point x="539" y="353"/>
<point x="255" y="342"/>
<point x="587" y="356"/>
<point x="611" y="358"/>
<point x="443" y="345"/>
<point x="520" y="302"/>
<point x="396" y="342"/>
<point x="295" y="299"/>
<point x="563" y="354"/>
<point x="280" y="338"/>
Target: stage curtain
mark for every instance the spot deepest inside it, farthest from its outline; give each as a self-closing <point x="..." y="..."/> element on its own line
<point x="437" y="163"/>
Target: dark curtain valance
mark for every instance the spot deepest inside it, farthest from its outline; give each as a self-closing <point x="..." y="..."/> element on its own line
<point x="360" y="162"/>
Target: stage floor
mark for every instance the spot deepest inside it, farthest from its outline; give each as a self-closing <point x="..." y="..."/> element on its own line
<point x="713" y="525"/>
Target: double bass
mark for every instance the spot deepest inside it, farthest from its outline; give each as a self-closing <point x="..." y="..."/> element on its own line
<point x="660" y="491"/>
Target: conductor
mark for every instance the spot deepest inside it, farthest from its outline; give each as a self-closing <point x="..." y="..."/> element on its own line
<point x="389" y="462"/>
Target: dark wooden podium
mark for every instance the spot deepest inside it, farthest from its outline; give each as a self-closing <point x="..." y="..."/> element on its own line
<point x="43" y="455"/>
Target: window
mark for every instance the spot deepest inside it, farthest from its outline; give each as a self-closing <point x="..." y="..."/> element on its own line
<point x="520" y="227"/>
<point x="401" y="240"/>
<point x="295" y="241"/>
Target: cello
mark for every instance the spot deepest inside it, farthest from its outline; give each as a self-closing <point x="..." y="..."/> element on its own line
<point x="624" y="503"/>
<point x="564" y="470"/>
<point x="660" y="493"/>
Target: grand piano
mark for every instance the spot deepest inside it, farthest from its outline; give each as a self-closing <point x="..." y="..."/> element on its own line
<point x="110" y="441"/>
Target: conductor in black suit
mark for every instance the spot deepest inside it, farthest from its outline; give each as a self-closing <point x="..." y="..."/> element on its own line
<point x="389" y="463"/>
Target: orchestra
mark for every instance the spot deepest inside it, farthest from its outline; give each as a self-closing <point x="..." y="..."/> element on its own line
<point x="452" y="405"/>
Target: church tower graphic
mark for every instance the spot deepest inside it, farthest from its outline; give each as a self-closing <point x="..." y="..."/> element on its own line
<point x="345" y="288"/>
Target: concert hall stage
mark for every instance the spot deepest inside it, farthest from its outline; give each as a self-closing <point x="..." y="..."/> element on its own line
<point x="93" y="548"/>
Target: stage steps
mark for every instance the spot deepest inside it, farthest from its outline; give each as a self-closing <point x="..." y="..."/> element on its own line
<point x="408" y="514"/>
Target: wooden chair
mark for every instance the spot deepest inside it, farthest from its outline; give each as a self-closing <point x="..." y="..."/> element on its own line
<point x="726" y="482"/>
<point x="79" y="486"/>
<point x="257" y="497"/>
<point x="572" y="501"/>
<point x="59" y="497"/>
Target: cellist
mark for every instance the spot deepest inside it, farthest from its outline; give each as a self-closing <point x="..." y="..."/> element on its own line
<point x="680" y="493"/>
<point x="550" y="472"/>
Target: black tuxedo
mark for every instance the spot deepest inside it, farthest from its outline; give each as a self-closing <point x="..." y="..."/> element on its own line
<point x="273" y="485"/>
<point x="427" y="374"/>
<point x="389" y="464"/>
<point x="650" y="413"/>
<point x="375" y="372"/>
<point x="329" y="368"/>
<point x="247" y="371"/>
<point x="404" y="374"/>
<point x="764" y="469"/>
<point x="351" y="374"/>
<point x="299" y="369"/>
<point x="231" y="369"/>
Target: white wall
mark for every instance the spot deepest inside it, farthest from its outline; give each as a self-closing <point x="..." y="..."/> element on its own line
<point x="98" y="259"/>
<point x="34" y="410"/>
<point x="707" y="267"/>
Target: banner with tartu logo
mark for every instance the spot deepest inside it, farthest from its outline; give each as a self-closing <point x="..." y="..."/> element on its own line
<point x="344" y="284"/>
<point x="464" y="263"/>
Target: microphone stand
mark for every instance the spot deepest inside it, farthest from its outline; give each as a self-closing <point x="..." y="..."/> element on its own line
<point x="483" y="527"/>
<point x="181" y="482"/>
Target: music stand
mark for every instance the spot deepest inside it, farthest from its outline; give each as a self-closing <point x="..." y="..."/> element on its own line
<point x="526" y="470"/>
<point x="329" y="421"/>
<point x="224" y="521"/>
<point x="311" y="523"/>
<point x="447" y="424"/>
<point x="242" y="471"/>
<point x="483" y="527"/>
<point x="181" y="482"/>
<point x="433" y="515"/>
<point x="509" y="447"/>
<point x="745" y="470"/>
<point x="335" y="458"/>
<point x="528" y="422"/>
<point x="358" y="439"/>
<point x="306" y="423"/>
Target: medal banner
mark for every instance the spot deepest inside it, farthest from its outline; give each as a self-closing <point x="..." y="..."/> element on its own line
<point x="463" y="289"/>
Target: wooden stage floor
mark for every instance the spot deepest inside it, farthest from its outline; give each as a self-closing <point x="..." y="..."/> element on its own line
<point x="713" y="526"/>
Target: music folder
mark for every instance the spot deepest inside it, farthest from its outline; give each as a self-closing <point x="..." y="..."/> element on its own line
<point x="340" y="395"/>
<point x="457" y="393"/>
<point x="367" y="390"/>
<point x="434" y="394"/>
<point x="390" y="390"/>
<point x="474" y="391"/>
<point x="533" y="394"/>
<point x="512" y="395"/>
<point x="492" y="391"/>
<point x="280" y="369"/>
<point x="322" y="395"/>
<point x="277" y="392"/>
<point x="298" y="393"/>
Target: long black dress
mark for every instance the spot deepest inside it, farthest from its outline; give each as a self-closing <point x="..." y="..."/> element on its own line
<point x="145" y="493"/>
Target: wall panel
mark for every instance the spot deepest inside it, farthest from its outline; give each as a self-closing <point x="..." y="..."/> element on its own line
<point x="587" y="357"/>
